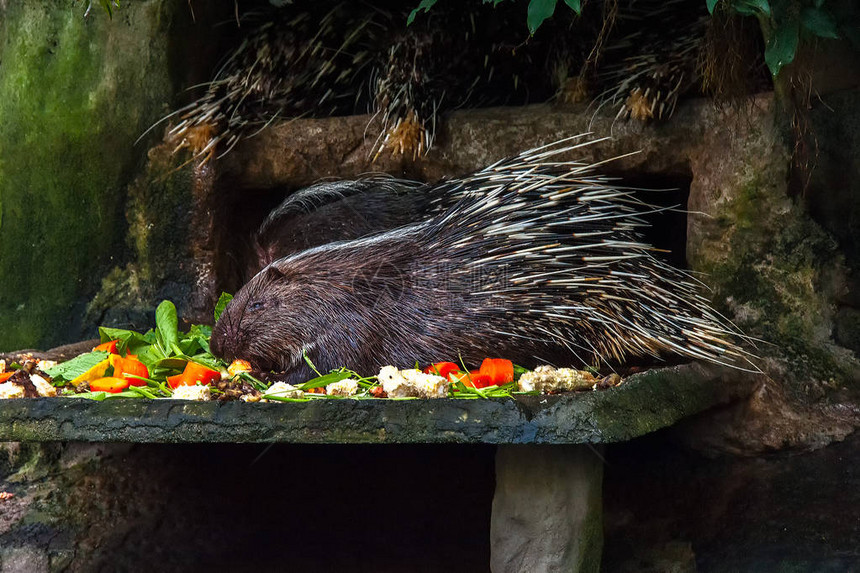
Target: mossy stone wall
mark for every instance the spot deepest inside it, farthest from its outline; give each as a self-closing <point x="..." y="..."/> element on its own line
<point x="75" y="94"/>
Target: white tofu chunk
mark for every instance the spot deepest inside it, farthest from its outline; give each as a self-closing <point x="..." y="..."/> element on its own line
<point x="283" y="390"/>
<point x="9" y="390"/>
<point x="200" y="392"/>
<point x="411" y="383"/>
<point x="347" y="387"/>
<point x="44" y="387"/>
<point x="547" y="379"/>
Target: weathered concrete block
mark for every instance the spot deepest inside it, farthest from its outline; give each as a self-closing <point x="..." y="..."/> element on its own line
<point x="645" y="403"/>
<point x="547" y="512"/>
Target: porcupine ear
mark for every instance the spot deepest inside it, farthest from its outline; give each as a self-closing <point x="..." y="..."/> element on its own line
<point x="273" y="272"/>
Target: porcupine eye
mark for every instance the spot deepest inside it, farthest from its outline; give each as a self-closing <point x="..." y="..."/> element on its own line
<point x="256" y="305"/>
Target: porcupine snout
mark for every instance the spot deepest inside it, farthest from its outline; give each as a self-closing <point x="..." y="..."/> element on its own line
<point x="226" y="341"/>
<point x="220" y="343"/>
<point x="248" y="328"/>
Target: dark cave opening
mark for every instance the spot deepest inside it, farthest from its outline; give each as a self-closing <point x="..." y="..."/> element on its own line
<point x="668" y="194"/>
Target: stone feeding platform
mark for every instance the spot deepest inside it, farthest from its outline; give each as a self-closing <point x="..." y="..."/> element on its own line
<point x="548" y="472"/>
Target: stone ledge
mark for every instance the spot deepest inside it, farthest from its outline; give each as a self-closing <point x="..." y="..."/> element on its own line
<point x="644" y="403"/>
<point x="295" y="153"/>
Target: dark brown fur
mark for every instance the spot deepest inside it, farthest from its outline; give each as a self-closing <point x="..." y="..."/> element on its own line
<point x="361" y="304"/>
<point x="337" y="211"/>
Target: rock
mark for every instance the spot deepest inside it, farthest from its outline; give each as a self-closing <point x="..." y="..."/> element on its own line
<point x="75" y="94"/>
<point x="297" y="153"/>
<point x="769" y="421"/>
<point x="547" y="510"/>
<point x="23" y="560"/>
<point x="785" y="511"/>
<point x="58" y="354"/>
<point x="672" y="557"/>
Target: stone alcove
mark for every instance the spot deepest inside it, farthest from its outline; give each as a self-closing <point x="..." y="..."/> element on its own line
<point x="774" y="269"/>
<point x="241" y="208"/>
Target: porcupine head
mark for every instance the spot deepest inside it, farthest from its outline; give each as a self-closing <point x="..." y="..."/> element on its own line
<point x="361" y="304"/>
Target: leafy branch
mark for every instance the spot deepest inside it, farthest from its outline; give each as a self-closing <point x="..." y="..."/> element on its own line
<point x="784" y="23"/>
<point x="538" y="11"/>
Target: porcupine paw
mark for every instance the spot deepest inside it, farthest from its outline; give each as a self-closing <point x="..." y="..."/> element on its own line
<point x="407" y="138"/>
<point x="639" y="105"/>
<point x="573" y="90"/>
<point x="199" y="140"/>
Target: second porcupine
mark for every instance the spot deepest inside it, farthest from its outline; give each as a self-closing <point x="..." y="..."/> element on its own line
<point x="337" y="211"/>
<point x="333" y="211"/>
<point x="539" y="261"/>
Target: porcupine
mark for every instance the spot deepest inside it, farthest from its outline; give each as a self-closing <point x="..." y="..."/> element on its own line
<point x="664" y="50"/>
<point x="539" y="260"/>
<point x="336" y="211"/>
<point x="336" y="58"/>
<point x="323" y="59"/>
<point x="293" y="62"/>
<point x="333" y="211"/>
<point x="458" y="56"/>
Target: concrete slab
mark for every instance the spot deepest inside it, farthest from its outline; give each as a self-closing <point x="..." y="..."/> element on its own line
<point x="644" y="403"/>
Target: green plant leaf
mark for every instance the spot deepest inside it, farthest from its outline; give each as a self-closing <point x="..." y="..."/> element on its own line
<point x="167" y="326"/>
<point x="575" y="5"/>
<point x="123" y="394"/>
<point x="207" y="360"/>
<point x="539" y="10"/>
<point x="425" y="5"/>
<point x="144" y="393"/>
<point x="76" y="366"/>
<point x="222" y="303"/>
<point x="711" y="4"/>
<point x="762" y="6"/>
<point x="197" y="338"/>
<point x="106" y="334"/>
<point x="519" y="371"/>
<point x="324" y="380"/>
<point x="751" y="7"/>
<point x="819" y="22"/>
<point x="255" y="382"/>
<point x="97" y="396"/>
<point x="172" y="363"/>
<point x="782" y="46"/>
<point x="129" y="341"/>
<point x="151" y="355"/>
<point x="310" y="363"/>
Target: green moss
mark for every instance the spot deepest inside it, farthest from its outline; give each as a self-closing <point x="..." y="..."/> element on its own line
<point x="158" y="217"/>
<point x="774" y="278"/>
<point x="74" y="96"/>
<point x="159" y="214"/>
<point x="28" y="461"/>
